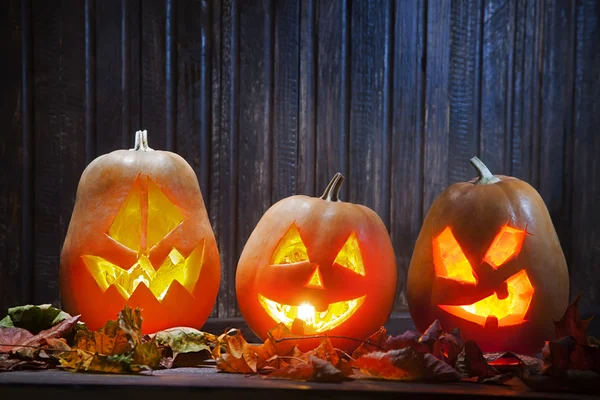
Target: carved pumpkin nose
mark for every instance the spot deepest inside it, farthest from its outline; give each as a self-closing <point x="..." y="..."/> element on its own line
<point x="315" y="281"/>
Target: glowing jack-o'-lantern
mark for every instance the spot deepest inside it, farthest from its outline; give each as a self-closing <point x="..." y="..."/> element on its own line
<point x="488" y="261"/>
<point x="320" y="266"/>
<point x="140" y="235"/>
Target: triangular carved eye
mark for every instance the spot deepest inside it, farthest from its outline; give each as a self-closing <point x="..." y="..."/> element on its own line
<point x="291" y="249"/>
<point x="350" y="257"/>
<point x="506" y="244"/>
<point x="449" y="259"/>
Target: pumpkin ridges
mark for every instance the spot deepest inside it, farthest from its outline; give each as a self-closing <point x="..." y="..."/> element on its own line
<point x="476" y="212"/>
<point x="324" y="227"/>
<point x="103" y="187"/>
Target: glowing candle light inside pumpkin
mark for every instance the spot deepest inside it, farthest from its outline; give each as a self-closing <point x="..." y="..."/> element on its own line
<point x="306" y="313"/>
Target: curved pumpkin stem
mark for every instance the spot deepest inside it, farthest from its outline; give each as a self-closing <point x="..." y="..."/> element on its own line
<point x="141" y="141"/>
<point x="332" y="191"/>
<point x="485" y="175"/>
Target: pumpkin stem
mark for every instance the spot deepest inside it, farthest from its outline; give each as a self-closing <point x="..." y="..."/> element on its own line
<point x="332" y="191"/>
<point x="141" y="141"/>
<point x="485" y="175"/>
<point x="138" y="141"/>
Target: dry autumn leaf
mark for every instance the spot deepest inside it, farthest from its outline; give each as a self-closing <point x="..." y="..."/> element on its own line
<point x="34" y="318"/>
<point x="184" y="346"/>
<point x="115" y="348"/>
<point x="404" y="364"/>
<point x="571" y="324"/>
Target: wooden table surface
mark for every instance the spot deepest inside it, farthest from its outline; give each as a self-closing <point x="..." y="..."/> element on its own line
<point x="191" y="383"/>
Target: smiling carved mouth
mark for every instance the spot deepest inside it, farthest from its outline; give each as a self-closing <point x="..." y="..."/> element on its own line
<point x="508" y="311"/>
<point x="316" y="322"/>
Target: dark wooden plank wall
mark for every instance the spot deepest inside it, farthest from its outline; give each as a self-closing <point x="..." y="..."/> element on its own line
<point x="268" y="98"/>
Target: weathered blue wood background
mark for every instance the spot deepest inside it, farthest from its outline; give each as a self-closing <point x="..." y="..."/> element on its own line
<point x="270" y="98"/>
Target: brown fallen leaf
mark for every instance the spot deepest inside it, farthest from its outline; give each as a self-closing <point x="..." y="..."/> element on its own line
<point x="448" y="346"/>
<point x="108" y="340"/>
<point x="571" y="324"/>
<point x="184" y="346"/>
<point x="556" y="356"/>
<point x="314" y="369"/>
<point x="472" y="363"/>
<point x="406" y="339"/>
<point x="376" y="342"/>
<point x="404" y="364"/>
<point x="18" y="340"/>
<point x="432" y="333"/>
<point x="11" y="339"/>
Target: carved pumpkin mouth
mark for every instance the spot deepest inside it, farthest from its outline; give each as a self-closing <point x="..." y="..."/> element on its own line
<point x="508" y="311"/>
<point x="175" y="268"/>
<point x="316" y="322"/>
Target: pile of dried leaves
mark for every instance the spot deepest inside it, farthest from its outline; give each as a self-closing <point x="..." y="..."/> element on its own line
<point x="36" y="337"/>
<point x="39" y="337"/>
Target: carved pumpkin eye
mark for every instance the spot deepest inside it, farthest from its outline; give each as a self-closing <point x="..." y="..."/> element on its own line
<point x="350" y="257"/>
<point x="506" y="244"/>
<point x="291" y="248"/>
<point x="449" y="259"/>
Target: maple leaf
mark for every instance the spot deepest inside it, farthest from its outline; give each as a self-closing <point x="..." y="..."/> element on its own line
<point x="315" y="369"/>
<point x="146" y="355"/>
<point x="432" y="333"/>
<point x="377" y="341"/>
<point x="407" y="339"/>
<point x="448" y="346"/>
<point x="130" y="321"/>
<point x="404" y="364"/>
<point x="326" y="352"/>
<point x="184" y="346"/>
<point x="108" y="340"/>
<point x="472" y="363"/>
<point x="282" y="339"/>
<point x="556" y="356"/>
<point x="229" y="363"/>
<point x="34" y="318"/>
<point x="571" y="324"/>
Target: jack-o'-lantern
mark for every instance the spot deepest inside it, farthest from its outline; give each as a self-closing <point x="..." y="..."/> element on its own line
<point x="321" y="264"/>
<point x="488" y="261"/>
<point x="140" y="234"/>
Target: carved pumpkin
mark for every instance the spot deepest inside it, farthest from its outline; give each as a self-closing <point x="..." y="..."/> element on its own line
<point x="319" y="263"/>
<point x="488" y="261"/>
<point x="140" y="235"/>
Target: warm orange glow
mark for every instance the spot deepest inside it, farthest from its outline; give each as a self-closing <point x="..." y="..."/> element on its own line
<point x="449" y="260"/>
<point x="316" y="322"/>
<point x="145" y="218"/>
<point x="506" y="244"/>
<point x="509" y="311"/>
<point x="315" y="280"/>
<point x="350" y="256"/>
<point x="174" y="268"/>
<point x="291" y="248"/>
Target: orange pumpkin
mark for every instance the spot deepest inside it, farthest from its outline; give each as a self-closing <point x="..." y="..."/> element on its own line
<point x="140" y="235"/>
<point x="320" y="264"/>
<point x="488" y="261"/>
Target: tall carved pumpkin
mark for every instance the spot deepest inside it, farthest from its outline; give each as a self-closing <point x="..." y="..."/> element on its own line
<point x="140" y="235"/>
<point x="488" y="261"/>
<point x="320" y="264"/>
